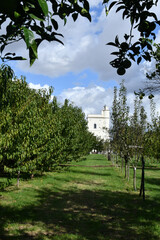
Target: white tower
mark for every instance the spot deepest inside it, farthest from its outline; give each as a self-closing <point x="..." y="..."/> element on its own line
<point x="99" y="124"/>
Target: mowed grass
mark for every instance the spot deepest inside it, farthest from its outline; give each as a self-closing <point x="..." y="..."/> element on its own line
<point x="92" y="201"/>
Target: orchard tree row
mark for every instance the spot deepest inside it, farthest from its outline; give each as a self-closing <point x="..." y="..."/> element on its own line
<point x="133" y="137"/>
<point x="37" y="134"/>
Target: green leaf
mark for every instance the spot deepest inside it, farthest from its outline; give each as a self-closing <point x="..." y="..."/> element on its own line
<point x="84" y="11"/>
<point x="2" y="48"/>
<point x="120" y="8"/>
<point x="75" y="16"/>
<point x="19" y="58"/>
<point x="56" y="39"/>
<point x="55" y="24"/>
<point x="49" y="28"/>
<point x="26" y="8"/>
<point x="44" y="6"/>
<point x="15" y="58"/>
<point x="86" y="5"/>
<point x="112" y="44"/>
<point x="9" y="53"/>
<point x="65" y="21"/>
<point x="33" y="53"/>
<point x="54" y="6"/>
<point x="35" y="17"/>
<point x="28" y="37"/>
<point x="31" y="5"/>
<point x="106" y="11"/>
<point x="126" y="36"/>
<point x="16" y="14"/>
<point x="115" y="53"/>
<point x="111" y="5"/>
<point x="145" y="57"/>
<point x="116" y="40"/>
<point x="105" y="1"/>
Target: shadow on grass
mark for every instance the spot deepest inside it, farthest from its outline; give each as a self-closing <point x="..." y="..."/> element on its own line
<point x="153" y="181"/>
<point x="89" y="172"/>
<point x="98" y="158"/>
<point x="83" y="215"/>
<point x="152" y="168"/>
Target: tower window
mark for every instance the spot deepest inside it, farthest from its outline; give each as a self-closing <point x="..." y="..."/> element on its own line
<point x="95" y="125"/>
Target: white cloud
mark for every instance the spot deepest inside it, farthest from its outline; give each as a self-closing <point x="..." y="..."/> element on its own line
<point x="95" y="3"/>
<point x="85" y="48"/>
<point x="38" y="86"/>
<point x="91" y="99"/>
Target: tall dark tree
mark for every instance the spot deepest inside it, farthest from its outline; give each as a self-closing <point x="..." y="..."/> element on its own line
<point x="120" y="131"/>
<point x="138" y="126"/>
<point x="153" y="134"/>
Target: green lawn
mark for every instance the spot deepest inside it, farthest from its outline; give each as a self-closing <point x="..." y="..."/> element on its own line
<point x="82" y="203"/>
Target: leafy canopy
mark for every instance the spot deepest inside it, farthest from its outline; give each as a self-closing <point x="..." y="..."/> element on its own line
<point x="34" y="21"/>
<point x="144" y="20"/>
<point x="36" y="133"/>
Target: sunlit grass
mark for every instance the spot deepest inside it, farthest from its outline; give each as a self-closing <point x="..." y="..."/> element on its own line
<point x="92" y="201"/>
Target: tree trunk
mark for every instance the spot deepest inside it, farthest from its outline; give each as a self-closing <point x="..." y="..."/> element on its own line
<point x="109" y="156"/>
<point x="116" y="159"/>
<point x="32" y="176"/>
<point x="142" y="189"/>
<point x="134" y="179"/>
<point x="1" y="169"/>
<point x="126" y="162"/>
<point x="18" y="178"/>
<point x="112" y="159"/>
<point x="122" y="166"/>
<point x="125" y="170"/>
<point x="128" y="170"/>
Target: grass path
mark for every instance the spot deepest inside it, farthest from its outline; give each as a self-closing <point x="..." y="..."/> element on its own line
<point x="81" y="203"/>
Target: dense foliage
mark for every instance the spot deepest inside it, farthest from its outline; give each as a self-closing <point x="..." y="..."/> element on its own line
<point x="37" y="134"/>
<point x="143" y="18"/>
<point x="34" y="21"/>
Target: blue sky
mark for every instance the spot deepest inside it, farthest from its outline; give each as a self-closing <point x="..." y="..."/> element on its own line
<point x="79" y="70"/>
<point x="69" y="80"/>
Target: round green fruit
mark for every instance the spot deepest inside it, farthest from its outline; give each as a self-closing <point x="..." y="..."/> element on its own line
<point x="121" y="71"/>
<point x="124" y="46"/>
<point x="150" y="96"/>
<point x="126" y="63"/>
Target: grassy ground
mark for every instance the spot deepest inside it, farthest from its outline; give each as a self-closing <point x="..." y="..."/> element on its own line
<point x="82" y="203"/>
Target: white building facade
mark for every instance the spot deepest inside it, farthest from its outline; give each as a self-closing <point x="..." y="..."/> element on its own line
<point x="99" y="124"/>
